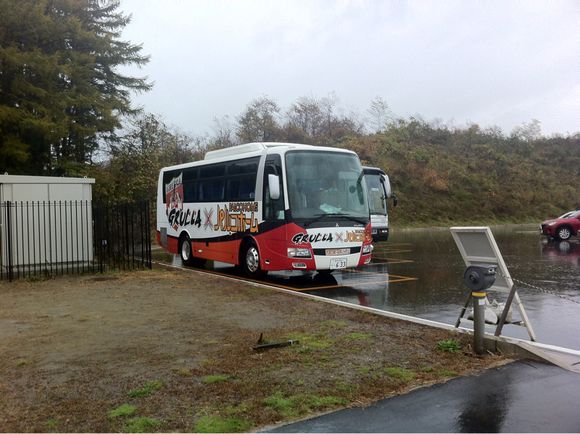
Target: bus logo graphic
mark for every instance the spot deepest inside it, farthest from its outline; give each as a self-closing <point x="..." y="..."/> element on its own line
<point x="174" y="196"/>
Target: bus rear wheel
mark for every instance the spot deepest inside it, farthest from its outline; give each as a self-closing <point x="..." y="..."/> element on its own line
<point x="250" y="261"/>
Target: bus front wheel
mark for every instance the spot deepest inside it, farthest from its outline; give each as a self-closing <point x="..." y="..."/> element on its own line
<point x="186" y="253"/>
<point x="250" y="261"/>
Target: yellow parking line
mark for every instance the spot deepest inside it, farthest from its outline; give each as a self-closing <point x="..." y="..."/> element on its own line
<point x="396" y="244"/>
<point x="398" y="279"/>
<point x="390" y="260"/>
<point x="397" y="251"/>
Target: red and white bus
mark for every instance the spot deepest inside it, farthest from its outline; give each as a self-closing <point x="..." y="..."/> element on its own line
<point x="267" y="206"/>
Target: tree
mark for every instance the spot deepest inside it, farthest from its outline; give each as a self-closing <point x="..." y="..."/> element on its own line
<point x="258" y="123"/>
<point x="315" y="121"/>
<point x="134" y="162"/>
<point x="380" y="115"/>
<point x="223" y="136"/>
<point x="60" y="91"/>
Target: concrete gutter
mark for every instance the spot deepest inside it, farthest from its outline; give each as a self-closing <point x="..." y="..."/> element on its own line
<point x="563" y="357"/>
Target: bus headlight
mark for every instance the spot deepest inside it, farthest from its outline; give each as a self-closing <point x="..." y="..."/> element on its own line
<point x="367" y="249"/>
<point x="298" y="252"/>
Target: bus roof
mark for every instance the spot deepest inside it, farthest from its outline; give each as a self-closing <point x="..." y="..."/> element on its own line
<point x="373" y="170"/>
<point x="252" y="149"/>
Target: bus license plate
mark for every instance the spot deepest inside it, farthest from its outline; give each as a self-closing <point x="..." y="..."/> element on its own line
<point x="337" y="263"/>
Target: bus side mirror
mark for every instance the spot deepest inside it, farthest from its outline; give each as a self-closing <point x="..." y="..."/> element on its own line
<point x="395" y="200"/>
<point x="387" y="184"/>
<point x="274" y="186"/>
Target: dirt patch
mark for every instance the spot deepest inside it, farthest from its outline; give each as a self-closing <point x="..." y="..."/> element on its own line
<point x="176" y="348"/>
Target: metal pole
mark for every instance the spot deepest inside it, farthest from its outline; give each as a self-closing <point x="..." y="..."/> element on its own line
<point x="9" y="239"/>
<point x="478" y="320"/>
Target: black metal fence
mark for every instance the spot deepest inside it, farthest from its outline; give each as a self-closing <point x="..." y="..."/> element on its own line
<point x="52" y="238"/>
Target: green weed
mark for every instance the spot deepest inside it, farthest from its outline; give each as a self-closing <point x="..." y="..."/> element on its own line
<point x="183" y="372"/>
<point x="333" y="324"/>
<point x="218" y="424"/>
<point x="297" y="405"/>
<point x="147" y="389"/>
<point x="449" y="345"/>
<point x="123" y="410"/>
<point x="309" y="342"/>
<point x="400" y="373"/>
<point x="210" y="379"/>
<point x="142" y="424"/>
<point x="51" y="424"/>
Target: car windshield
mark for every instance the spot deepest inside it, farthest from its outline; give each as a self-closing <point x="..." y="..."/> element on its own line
<point x="323" y="184"/>
<point x="570" y="215"/>
<point x="376" y="194"/>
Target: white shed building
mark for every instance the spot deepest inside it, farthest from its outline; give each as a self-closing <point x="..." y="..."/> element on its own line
<point x="45" y="221"/>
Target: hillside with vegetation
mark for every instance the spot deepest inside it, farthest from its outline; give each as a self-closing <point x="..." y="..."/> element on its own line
<point x="472" y="175"/>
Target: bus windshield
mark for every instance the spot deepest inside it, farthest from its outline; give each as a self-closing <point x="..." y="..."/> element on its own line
<point x="326" y="184"/>
<point x="376" y="193"/>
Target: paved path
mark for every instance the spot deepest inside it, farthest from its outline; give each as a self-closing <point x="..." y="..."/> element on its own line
<point x="519" y="397"/>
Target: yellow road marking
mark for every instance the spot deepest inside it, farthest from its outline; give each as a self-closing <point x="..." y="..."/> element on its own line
<point x="391" y="261"/>
<point x="394" y="251"/>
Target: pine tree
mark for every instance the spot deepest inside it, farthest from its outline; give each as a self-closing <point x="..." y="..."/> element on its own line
<point x="60" y="88"/>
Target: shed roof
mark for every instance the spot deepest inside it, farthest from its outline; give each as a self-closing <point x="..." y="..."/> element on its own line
<point x="23" y="179"/>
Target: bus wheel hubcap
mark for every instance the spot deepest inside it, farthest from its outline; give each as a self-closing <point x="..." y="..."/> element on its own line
<point x="252" y="260"/>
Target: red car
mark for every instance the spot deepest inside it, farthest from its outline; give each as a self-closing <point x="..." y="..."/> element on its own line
<point x="563" y="227"/>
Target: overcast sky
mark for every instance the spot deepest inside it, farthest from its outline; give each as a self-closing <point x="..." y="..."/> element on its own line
<point x="488" y="62"/>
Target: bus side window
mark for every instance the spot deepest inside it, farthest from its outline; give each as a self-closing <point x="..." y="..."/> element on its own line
<point x="273" y="209"/>
<point x="241" y="179"/>
<point x="190" y="188"/>
<point x="212" y="183"/>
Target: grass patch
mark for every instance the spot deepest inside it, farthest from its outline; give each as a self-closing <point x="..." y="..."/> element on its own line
<point x="364" y="370"/>
<point x="210" y="379"/>
<point x="449" y="345"/>
<point x="297" y="405"/>
<point x="333" y="324"/>
<point x="358" y="336"/>
<point x="147" y="389"/>
<point x="123" y="410"/>
<point x="21" y="362"/>
<point x="142" y="424"/>
<point x="220" y="424"/>
<point x="400" y="373"/>
<point x="51" y="424"/>
<point x="310" y="342"/>
<point x="183" y="372"/>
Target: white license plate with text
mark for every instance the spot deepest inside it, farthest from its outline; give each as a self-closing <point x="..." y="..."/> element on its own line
<point x="337" y="263"/>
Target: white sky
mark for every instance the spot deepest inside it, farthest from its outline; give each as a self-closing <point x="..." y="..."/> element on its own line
<point x="496" y="62"/>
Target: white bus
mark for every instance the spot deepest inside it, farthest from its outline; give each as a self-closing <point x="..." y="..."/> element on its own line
<point x="379" y="190"/>
<point x="267" y="206"/>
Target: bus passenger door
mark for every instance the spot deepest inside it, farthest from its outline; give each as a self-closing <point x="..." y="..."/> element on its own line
<point x="272" y="235"/>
